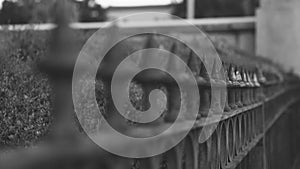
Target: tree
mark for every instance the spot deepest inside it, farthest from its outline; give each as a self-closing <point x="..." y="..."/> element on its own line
<point x="90" y="11"/>
<point x="43" y="11"/>
<point x="14" y="13"/>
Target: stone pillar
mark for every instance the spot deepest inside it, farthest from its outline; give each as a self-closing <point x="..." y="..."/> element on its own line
<point x="278" y="32"/>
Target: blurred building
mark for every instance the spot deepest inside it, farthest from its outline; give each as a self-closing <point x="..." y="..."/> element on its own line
<point x="218" y="8"/>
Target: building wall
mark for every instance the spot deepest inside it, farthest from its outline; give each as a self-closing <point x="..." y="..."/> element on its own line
<point x="237" y="32"/>
<point x="278" y="34"/>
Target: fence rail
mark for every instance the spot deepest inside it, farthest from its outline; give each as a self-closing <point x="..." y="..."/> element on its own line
<point x="237" y="23"/>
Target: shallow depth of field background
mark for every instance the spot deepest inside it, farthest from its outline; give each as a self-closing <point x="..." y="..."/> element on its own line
<point x="25" y="93"/>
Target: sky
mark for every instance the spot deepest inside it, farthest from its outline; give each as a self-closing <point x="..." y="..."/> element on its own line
<point x="107" y="3"/>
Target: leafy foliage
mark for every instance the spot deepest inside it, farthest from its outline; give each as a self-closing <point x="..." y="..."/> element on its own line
<point x="25" y="94"/>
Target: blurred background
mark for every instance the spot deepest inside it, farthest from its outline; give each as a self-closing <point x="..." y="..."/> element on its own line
<point x="40" y="41"/>
<point x="23" y="48"/>
<point x="38" y="11"/>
